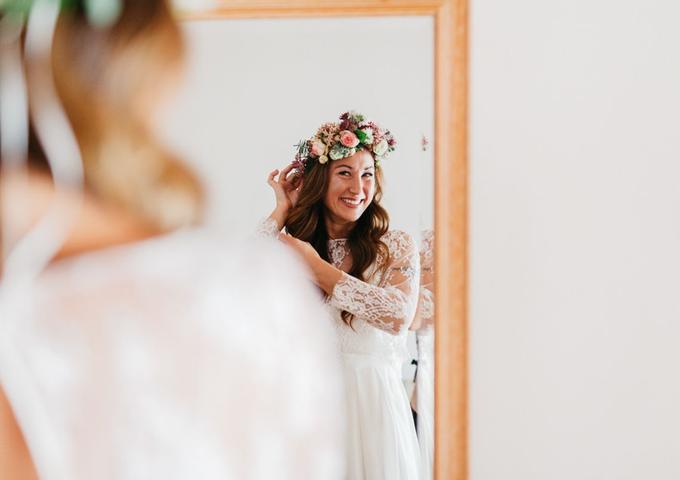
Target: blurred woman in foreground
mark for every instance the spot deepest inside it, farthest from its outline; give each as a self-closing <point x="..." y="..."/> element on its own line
<point x="129" y="349"/>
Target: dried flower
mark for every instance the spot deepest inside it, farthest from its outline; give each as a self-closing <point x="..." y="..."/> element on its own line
<point x="424" y="143"/>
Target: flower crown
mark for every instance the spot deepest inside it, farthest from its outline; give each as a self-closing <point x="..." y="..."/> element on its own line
<point x="336" y="140"/>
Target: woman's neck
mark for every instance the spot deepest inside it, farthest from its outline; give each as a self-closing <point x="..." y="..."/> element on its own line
<point x="337" y="229"/>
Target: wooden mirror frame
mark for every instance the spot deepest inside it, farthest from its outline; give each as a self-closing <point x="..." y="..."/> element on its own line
<point x="451" y="173"/>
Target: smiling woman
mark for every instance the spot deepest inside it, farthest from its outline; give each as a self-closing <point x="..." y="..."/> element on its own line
<point x="262" y="71"/>
<point x="369" y="274"/>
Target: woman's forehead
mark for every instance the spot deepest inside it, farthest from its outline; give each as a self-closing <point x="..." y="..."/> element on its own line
<point x="361" y="160"/>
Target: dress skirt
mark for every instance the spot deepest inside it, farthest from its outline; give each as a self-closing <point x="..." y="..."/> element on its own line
<point x="382" y="441"/>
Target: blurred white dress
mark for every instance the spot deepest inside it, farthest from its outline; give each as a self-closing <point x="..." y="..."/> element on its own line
<point x="382" y="443"/>
<point x="174" y="358"/>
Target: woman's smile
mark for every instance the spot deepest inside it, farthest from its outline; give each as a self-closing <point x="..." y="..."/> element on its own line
<point x="350" y="202"/>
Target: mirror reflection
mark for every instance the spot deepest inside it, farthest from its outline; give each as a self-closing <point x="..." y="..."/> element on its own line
<point x="363" y="224"/>
<point x="217" y="245"/>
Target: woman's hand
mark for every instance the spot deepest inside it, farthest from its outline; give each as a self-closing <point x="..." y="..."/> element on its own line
<point x="304" y="249"/>
<point x="325" y="274"/>
<point x="286" y="187"/>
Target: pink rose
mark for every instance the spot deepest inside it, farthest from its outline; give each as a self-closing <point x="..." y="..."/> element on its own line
<point x="348" y="139"/>
<point x="318" y="148"/>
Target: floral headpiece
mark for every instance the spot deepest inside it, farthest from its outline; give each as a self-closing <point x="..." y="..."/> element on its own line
<point x="336" y="140"/>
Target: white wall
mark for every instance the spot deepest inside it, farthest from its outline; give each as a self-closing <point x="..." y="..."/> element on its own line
<point x="575" y="240"/>
<point x="254" y="88"/>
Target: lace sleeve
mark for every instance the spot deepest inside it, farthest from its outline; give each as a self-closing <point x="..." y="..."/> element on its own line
<point x="267" y="229"/>
<point x="389" y="306"/>
<point x="425" y="310"/>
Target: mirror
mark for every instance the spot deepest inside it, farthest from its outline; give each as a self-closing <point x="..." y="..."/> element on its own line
<point x="282" y="69"/>
<point x="253" y="89"/>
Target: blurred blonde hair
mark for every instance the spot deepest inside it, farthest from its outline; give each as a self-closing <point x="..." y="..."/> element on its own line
<point x="105" y="77"/>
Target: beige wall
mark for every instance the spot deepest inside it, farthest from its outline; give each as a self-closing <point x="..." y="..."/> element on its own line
<point x="575" y="240"/>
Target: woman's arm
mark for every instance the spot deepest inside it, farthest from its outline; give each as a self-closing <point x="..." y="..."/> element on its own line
<point x="424" y="316"/>
<point x="389" y="306"/>
<point x="15" y="460"/>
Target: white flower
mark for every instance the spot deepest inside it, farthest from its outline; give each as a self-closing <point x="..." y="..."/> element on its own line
<point x="381" y="148"/>
<point x="369" y="136"/>
<point x="318" y="148"/>
<point x="338" y="152"/>
<point x="323" y="159"/>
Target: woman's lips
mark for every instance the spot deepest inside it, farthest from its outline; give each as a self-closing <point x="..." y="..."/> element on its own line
<point x="352" y="202"/>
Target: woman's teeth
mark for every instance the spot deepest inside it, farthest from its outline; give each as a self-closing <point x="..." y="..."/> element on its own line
<point x="351" y="203"/>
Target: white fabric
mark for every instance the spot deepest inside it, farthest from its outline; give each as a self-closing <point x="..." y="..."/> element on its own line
<point x="382" y="438"/>
<point x="178" y="357"/>
<point x="425" y="400"/>
<point x="425" y="346"/>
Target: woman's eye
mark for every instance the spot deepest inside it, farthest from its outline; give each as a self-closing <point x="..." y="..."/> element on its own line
<point x="368" y="174"/>
<point x="345" y="173"/>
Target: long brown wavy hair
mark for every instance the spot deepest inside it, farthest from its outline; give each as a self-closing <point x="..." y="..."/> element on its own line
<point x="108" y="80"/>
<point x="307" y="222"/>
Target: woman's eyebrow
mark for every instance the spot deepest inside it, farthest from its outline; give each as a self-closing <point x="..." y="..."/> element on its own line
<point x="371" y="167"/>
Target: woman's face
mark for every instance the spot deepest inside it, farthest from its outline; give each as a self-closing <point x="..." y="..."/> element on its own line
<point x="351" y="187"/>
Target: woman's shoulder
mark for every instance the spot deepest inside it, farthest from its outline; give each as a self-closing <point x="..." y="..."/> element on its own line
<point x="192" y="260"/>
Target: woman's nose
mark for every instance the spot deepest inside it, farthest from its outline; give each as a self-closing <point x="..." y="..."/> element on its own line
<point x="355" y="185"/>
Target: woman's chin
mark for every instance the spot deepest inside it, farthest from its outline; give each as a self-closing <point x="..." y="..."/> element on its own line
<point x="349" y="216"/>
<point x="355" y="217"/>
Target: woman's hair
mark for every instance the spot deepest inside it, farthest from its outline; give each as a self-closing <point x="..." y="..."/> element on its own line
<point x="306" y="221"/>
<point x="101" y="76"/>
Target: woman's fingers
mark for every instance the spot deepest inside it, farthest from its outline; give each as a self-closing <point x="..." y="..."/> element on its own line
<point x="283" y="177"/>
<point x="297" y="181"/>
<point x="287" y="183"/>
<point x="289" y="240"/>
<point x="285" y="239"/>
<point x="270" y="178"/>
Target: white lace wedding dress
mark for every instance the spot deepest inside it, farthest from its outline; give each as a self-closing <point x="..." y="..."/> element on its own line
<point x="382" y="443"/>
<point x="182" y="357"/>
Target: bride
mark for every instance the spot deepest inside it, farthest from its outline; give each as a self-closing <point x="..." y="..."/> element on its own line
<point x="328" y="200"/>
<point x="130" y="349"/>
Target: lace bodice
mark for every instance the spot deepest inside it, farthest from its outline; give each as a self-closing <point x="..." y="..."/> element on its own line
<point x="383" y="306"/>
<point x="182" y="357"/>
